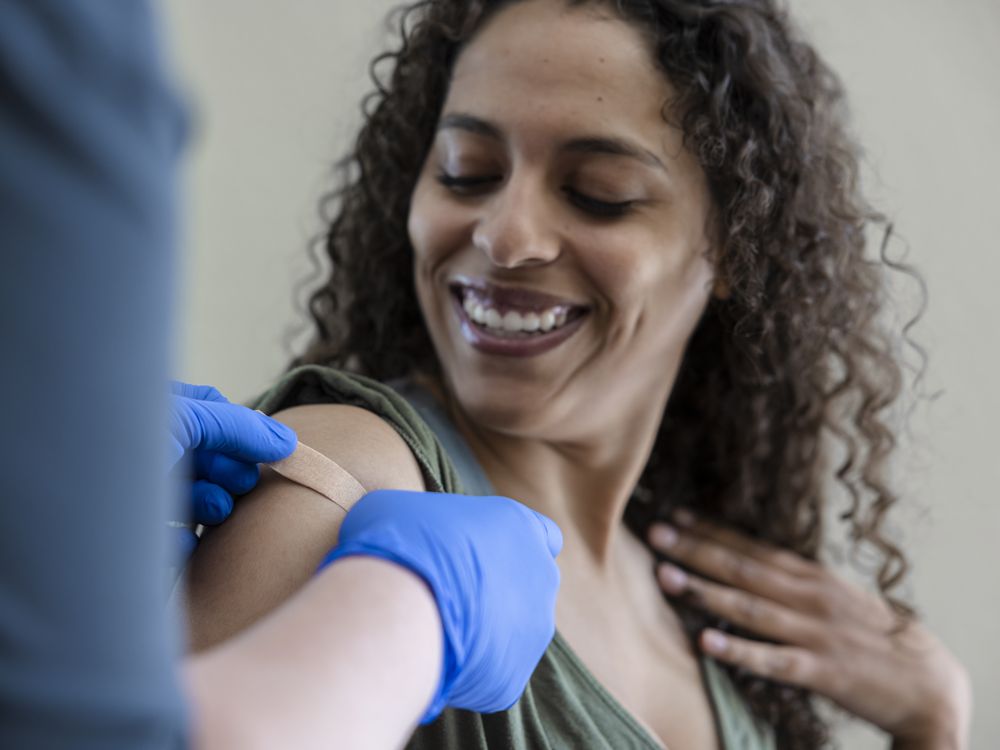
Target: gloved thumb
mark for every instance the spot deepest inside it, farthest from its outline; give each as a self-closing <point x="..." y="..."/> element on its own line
<point x="239" y="432"/>
<point x="553" y="534"/>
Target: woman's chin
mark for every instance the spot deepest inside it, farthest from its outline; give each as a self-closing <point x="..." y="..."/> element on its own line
<point x="507" y="407"/>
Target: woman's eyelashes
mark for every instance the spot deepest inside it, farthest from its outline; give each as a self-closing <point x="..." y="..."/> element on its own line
<point x="465" y="185"/>
<point x="604" y="209"/>
<point x="471" y="185"/>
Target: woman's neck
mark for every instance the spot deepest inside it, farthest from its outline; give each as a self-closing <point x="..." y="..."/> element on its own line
<point x="583" y="486"/>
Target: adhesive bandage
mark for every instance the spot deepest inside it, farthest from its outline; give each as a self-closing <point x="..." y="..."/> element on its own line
<point x="312" y="469"/>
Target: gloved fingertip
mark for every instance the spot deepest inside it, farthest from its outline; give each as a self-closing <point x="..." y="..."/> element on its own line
<point x="553" y="534"/>
<point x="211" y="504"/>
<point x="250" y="480"/>
<point x="285" y="438"/>
<point x="238" y="477"/>
<point x="223" y="506"/>
<point x="217" y="509"/>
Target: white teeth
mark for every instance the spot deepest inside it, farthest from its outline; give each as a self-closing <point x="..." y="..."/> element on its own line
<point x="512" y="321"/>
<point x="493" y="319"/>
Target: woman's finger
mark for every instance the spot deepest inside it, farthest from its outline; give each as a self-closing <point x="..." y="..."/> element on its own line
<point x="755" y="548"/>
<point x="758" y="614"/>
<point x="729" y="566"/>
<point x="788" y="664"/>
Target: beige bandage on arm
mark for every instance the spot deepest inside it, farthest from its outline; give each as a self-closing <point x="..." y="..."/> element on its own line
<point x="312" y="469"/>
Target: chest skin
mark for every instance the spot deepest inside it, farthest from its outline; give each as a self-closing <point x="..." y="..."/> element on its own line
<point x="630" y="639"/>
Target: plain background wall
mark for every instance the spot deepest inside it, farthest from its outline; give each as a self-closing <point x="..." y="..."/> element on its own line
<point x="276" y="89"/>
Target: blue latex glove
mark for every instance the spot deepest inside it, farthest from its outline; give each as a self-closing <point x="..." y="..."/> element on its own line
<point x="225" y="442"/>
<point x="490" y="563"/>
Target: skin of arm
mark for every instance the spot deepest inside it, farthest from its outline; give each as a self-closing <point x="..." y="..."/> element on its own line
<point x="359" y="676"/>
<point x="278" y="534"/>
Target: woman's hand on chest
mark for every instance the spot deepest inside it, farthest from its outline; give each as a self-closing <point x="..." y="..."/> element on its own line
<point x="818" y="631"/>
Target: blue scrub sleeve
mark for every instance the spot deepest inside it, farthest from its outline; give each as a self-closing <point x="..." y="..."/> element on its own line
<point x="89" y="133"/>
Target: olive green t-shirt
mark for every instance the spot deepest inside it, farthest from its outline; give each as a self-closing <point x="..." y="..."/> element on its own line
<point x="563" y="707"/>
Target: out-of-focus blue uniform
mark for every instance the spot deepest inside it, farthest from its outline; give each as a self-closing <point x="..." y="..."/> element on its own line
<point x="89" y="132"/>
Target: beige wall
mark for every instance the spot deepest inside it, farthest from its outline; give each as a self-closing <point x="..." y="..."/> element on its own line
<point x="277" y="87"/>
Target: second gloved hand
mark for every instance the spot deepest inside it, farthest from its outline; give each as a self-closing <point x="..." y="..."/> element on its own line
<point x="226" y="442"/>
<point x="490" y="563"/>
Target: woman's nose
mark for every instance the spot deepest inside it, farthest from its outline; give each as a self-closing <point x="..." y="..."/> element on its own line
<point x="516" y="229"/>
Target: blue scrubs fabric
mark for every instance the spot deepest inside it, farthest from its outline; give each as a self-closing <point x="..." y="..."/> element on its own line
<point x="89" y="132"/>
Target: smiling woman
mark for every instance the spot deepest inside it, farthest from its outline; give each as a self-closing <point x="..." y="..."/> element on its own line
<point x="552" y="171"/>
<point x="610" y="257"/>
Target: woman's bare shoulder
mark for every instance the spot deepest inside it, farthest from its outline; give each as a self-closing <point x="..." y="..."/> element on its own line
<point x="363" y="443"/>
<point x="279" y="533"/>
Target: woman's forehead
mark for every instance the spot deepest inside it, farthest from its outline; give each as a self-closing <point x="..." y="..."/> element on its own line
<point x="545" y="59"/>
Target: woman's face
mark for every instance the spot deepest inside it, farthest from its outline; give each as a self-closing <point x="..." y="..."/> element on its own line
<point x="559" y="227"/>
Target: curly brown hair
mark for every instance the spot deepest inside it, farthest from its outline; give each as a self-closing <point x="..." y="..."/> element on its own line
<point x="793" y="361"/>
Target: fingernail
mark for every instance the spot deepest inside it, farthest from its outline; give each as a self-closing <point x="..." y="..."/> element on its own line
<point x="663" y="536"/>
<point x="673" y="579"/>
<point x="683" y="517"/>
<point x="714" y="641"/>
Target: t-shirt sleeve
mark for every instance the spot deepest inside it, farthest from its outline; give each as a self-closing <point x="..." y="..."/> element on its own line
<point x="315" y="384"/>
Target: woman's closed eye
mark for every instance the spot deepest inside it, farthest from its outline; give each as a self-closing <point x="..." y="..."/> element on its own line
<point x="596" y="207"/>
<point x="466" y="184"/>
<point x="469" y="185"/>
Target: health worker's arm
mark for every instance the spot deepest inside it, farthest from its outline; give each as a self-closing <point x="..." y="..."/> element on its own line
<point x="349" y="661"/>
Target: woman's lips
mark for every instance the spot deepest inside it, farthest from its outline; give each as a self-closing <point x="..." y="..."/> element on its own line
<point x="536" y="311"/>
<point x="506" y="298"/>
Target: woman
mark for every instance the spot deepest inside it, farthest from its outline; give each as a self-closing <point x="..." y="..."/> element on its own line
<point x="614" y="256"/>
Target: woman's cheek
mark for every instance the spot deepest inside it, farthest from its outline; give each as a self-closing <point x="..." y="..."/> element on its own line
<point x="420" y="225"/>
<point x="652" y="275"/>
<point x="622" y="264"/>
<point x="437" y="227"/>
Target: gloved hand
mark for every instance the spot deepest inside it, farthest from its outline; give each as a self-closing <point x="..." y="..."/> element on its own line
<point x="226" y="442"/>
<point x="490" y="563"/>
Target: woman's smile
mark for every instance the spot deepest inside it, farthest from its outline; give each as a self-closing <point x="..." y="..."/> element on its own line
<point x="513" y="321"/>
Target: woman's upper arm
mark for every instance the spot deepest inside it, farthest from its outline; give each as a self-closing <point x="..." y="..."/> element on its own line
<point x="279" y="533"/>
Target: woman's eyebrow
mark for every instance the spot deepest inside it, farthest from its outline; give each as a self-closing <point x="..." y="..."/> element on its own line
<point x="586" y="145"/>
<point x="471" y="124"/>
<point x="614" y="147"/>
